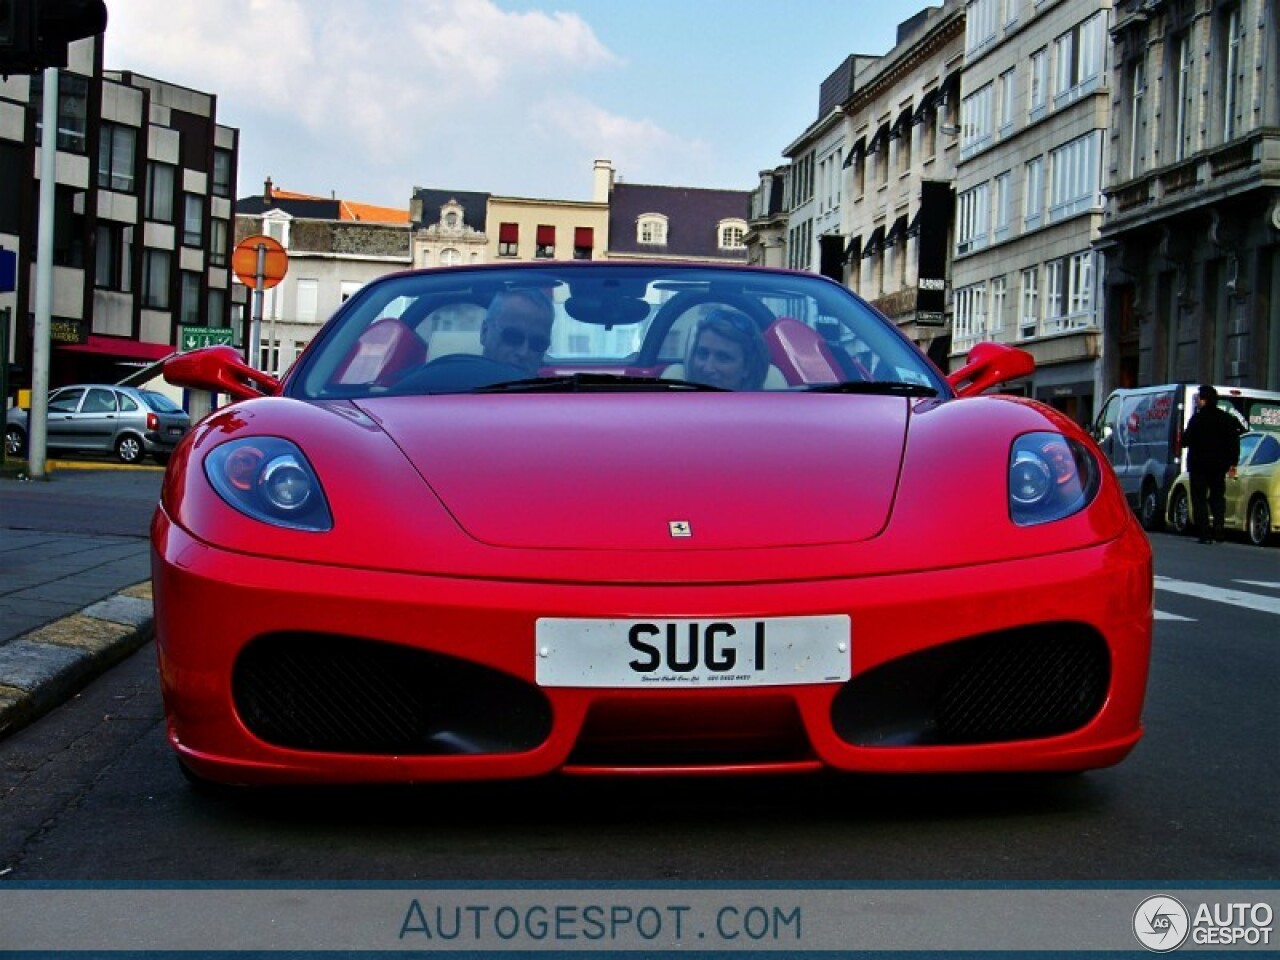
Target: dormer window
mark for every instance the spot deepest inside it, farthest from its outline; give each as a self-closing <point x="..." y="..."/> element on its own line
<point x="732" y="234"/>
<point x="651" y="228"/>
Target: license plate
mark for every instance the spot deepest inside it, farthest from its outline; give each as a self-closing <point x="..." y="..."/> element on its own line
<point x="692" y="653"/>
<point x="175" y="431"/>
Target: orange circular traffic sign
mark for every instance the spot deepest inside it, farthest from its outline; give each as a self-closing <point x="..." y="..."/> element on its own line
<point x="244" y="261"/>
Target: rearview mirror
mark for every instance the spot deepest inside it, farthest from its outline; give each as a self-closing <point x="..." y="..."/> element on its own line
<point x="988" y="364"/>
<point x="219" y="369"/>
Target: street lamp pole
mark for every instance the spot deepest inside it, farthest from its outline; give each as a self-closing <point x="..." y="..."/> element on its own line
<point x="38" y="422"/>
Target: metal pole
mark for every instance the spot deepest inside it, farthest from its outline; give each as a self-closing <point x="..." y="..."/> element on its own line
<point x="4" y="365"/>
<point x="255" y="325"/>
<point x="38" y="421"/>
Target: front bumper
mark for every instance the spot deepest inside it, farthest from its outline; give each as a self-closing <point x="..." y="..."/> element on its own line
<point x="270" y="670"/>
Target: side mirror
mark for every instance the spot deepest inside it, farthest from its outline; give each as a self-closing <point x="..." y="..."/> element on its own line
<point x="219" y="369"/>
<point x="990" y="363"/>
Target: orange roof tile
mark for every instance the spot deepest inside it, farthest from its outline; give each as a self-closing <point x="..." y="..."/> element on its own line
<point x="349" y="209"/>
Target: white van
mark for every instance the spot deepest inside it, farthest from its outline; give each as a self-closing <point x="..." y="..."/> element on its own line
<point x="1140" y="431"/>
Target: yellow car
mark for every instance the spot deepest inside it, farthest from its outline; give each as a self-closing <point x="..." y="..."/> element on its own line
<point x="1253" y="494"/>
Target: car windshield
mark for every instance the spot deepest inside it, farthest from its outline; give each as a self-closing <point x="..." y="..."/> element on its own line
<point x="599" y="326"/>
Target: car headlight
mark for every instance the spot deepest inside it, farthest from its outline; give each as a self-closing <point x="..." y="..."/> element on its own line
<point x="1050" y="477"/>
<point x="269" y="479"/>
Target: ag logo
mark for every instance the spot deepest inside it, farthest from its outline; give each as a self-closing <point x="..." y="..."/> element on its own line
<point x="1161" y="923"/>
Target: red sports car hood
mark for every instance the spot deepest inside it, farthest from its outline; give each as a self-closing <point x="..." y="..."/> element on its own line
<point x="652" y="471"/>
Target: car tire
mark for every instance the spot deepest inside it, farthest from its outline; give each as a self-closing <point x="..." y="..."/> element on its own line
<point x="15" y="442"/>
<point x="1180" y="512"/>
<point x="1149" y="508"/>
<point x="129" y="448"/>
<point x="1258" y="524"/>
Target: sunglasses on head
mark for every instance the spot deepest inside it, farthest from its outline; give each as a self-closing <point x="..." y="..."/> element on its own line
<point x="732" y="319"/>
<point x="515" y="338"/>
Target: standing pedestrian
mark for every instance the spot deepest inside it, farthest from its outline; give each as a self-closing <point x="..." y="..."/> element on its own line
<point x="1212" y="442"/>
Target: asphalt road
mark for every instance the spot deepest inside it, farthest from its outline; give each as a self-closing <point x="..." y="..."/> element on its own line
<point x="90" y="793"/>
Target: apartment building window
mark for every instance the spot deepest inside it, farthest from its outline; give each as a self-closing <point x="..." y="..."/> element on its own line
<point x="980" y="24"/>
<point x="1009" y="12"/>
<point x="1001" y="189"/>
<point x="1075" y="171"/>
<point x="1069" y="292"/>
<point x="68" y="229"/>
<point x="1004" y="122"/>
<point x="108" y="251"/>
<point x="73" y="110"/>
<point x="155" y="279"/>
<point x="277" y="228"/>
<point x="116" y="153"/>
<point x="1137" y="118"/>
<point x="1034" y="200"/>
<point x="545" y="242"/>
<point x="217" y="242"/>
<point x="970" y="313"/>
<point x="269" y="356"/>
<point x="308" y="293"/>
<point x="1029" y="317"/>
<point x="1038" y="83"/>
<point x="1080" y="288"/>
<point x="159" y="205"/>
<point x="189" y="313"/>
<point x="1079" y="54"/>
<point x="584" y="242"/>
<point x="975" y="120"/>
<point x="221" y="186"/>
<point x="216" y="308"/>
<point x="1182" y="107"/>
<point x="1233" y="77"/>
<point x="450" y="257"/>
<point x="508" y="239"/>
<point x="732" y="234"/>
<point x="652" y="229"/>
<point x="1055" y="294"/>
<point x="999" y="293"/>
<point x="192" y="220"/>
<point x="973" y="208"/>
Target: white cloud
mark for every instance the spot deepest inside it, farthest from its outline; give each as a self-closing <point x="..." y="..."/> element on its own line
<point x="367" y="89"/>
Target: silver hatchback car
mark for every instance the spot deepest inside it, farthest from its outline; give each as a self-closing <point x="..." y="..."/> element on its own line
<point x="104" y="418"/>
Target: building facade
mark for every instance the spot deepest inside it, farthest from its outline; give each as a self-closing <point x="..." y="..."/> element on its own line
<point x="1034" y="140"/>
<point x="335" y="247"/>
<point x="766" y="238"/>
<point x="900" y="117"/>
<point x="1192" y="228"/>
<point x="145" y="177"/>
<point x="654" y="222"/>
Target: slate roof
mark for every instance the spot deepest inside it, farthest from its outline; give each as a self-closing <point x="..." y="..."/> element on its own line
<point x="692" y="217"/>
<point x="475" y="206"/>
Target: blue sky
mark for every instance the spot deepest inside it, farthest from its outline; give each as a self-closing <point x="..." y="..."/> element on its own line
<point x="367" y="99"/>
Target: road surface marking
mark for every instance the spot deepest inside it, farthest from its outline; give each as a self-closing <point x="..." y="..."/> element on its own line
<point x="1237" y="598"/>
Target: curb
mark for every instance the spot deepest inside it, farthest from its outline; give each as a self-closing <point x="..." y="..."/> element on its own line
<point x="42" y="669"/>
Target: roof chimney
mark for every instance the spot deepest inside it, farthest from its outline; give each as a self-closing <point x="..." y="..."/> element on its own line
<point x="266" y="192"/>
<point x="603" y="181"/>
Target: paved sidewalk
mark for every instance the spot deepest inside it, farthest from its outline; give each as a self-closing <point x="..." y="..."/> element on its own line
<point x="72" y="605"/>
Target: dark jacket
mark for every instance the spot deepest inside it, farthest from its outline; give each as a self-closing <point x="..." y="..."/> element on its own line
<point x="1212" y="441"/>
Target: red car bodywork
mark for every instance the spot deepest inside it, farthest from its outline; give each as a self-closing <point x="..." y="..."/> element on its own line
<point x="461" y="520"/>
